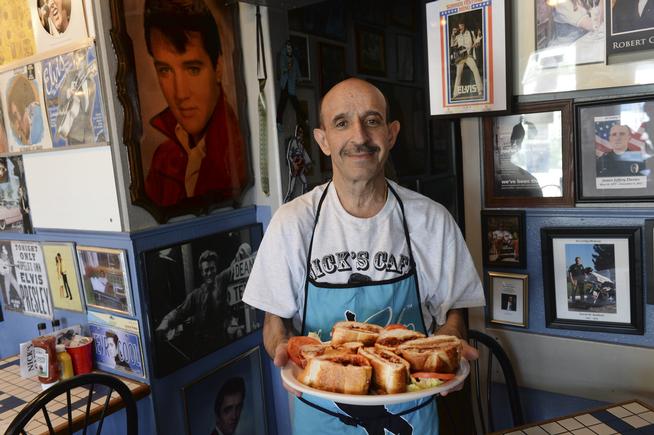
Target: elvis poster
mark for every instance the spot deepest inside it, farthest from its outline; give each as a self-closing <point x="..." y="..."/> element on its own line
<point x="116" y="343"/>
<point x="73" y="98"/>
<point x="14" y="203"/>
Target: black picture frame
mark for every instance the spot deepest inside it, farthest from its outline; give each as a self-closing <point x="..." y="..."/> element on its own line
<point x="649" y="259"/>
<point x="504" y="238"/>
<point x="508" y="299"/>
<point x="244" y="371"/>
<point x="626" y="30"/>
<point x="616" y="275"/>
<point x="371" y="51"/>
<point x="179" y="317"/>
<point x="606" y="176"/>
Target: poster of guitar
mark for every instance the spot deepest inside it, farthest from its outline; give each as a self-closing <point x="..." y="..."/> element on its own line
<point x="467" y="48"/>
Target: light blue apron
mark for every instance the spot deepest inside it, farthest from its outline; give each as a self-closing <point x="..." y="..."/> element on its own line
<point x="381" y="302"/>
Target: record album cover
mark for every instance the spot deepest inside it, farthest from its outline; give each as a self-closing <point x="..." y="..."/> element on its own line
<point x="57" y="22"/>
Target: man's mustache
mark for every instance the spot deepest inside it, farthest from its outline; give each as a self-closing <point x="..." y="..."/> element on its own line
<point x="360" y="149"/>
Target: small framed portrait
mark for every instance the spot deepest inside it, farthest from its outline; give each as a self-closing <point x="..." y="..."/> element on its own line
<point x="528" y="156"/>
<point x="105" y="279"/>
<point x="504" y="244"/>
<point x="508" y="298"/>
<point x="61" y="264"/>
<point x="629" y="26"/>
<point x="592" y="279"/>
<point x="228" y="400"/>
<point x="195" y="292"/>
<point x="615" y="150"/>
<point x="371" y="51"/>
<point x="468" y="57"/>
<point x="300" y="43"/>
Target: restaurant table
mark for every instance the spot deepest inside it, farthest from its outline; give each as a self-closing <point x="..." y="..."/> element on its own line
<point x="16" y="392"/>
<point x="626" y="418"/>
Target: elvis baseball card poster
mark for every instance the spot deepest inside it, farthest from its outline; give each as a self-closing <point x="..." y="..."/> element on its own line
<point x="116" y="343"/>
<point x="73" y="98"/>
<point x="22" y="98"/>
<point x="57" y="22"/>
<point x="195" y="290"/>
<point x="466" y="46"/>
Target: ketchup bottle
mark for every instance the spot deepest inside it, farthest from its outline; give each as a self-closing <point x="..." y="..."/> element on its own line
<point x="45" y="357"/>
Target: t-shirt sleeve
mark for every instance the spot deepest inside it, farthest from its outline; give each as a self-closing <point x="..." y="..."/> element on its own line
<point x="277" y="278"/>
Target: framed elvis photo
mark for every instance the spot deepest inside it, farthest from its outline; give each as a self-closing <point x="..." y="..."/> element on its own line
<point x="614" y="151"/>
<point x="505" y="241"/>
<point x="468" y="56"/>
<point x="592" y="279"/>
<point x="153" y="39"/>
<point x="528" y="156"/>
<point x="508" y="303"/>
<point x="230" y="398"/>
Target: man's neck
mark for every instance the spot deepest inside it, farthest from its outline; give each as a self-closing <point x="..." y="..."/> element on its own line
<point x="362" y="199"/>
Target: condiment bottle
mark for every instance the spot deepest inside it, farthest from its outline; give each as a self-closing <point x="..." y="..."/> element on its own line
<point x="45" y="358"/>
<point x="65" y="363"/>
<point x="41" y="328"/>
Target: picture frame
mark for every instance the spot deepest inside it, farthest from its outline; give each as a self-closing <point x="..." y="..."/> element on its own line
<point x="562" y="36"/>
<point x="151" y="112"/>
<point x="179" y="283"/>
<point x="508" y="299"/>
<point x="332" y="65"/>
<point x="404" y="55"/>
<point x="528" y="156"/>
<point x="628" y="30"/>
<point x="649" y="259"/>
<point x="607" y="297"/>
<point x="504" y="236"/>
<point x="469" y="59"/>
<point x="371" y="51"/>
<point x="300" y="43"/>
<point x="614" y="149"/>
<point x="61" y="265"/>
<point x="243" y="373"/>
<point x="105" y="279"/>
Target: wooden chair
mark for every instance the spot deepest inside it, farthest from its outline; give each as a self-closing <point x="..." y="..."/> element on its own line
<point x="88" y="381"/>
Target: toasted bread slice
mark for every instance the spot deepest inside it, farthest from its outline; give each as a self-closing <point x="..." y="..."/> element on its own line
<point x="345" y="332"/>
<point x="345" y="373"/>
<point x="440" y="353"/>
<point x="390" y="372"/>
<point x="390" y="340"/>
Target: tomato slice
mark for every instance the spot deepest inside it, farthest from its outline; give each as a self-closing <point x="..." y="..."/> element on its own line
<point x="294" y="346"/>
<point x="434" y="375"/>
<point x="395" y="326"/>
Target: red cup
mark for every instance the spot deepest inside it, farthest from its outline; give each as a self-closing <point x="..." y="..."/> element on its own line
<point x="82" y="357"/>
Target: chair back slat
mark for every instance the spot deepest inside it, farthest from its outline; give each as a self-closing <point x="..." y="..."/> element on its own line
<point x="104" y="410"/>
<point x="88" y="408"/>
<point x="47" y="420"/>
<point x="69" y="407"/>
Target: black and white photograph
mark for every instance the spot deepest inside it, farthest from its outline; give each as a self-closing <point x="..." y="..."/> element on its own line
<point x="505" y="243"/>
<point x="195" y="291"/>
<point x="570" y="32"/>
<point x="15" y="215"/>
<point x="508" y="298"/>
<point x="229" y="400"/>
<point x="615" y="149"/>
<point x="592" y="278"/>
<point x="630" y="26"/>
<point x="105" y="279"/>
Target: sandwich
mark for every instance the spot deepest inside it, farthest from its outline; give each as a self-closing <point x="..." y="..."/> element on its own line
<point x="440" y="353"/>
<point x="390" y="372"/>
<point x="345" y="332"/>
<point x="391" y="339"/>
<point x="339" y="373"/>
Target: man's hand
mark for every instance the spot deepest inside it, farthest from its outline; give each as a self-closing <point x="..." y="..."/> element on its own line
<point x="276" y="332"/>
<point x="280" y="360"/>
<point x="469" y="353"/>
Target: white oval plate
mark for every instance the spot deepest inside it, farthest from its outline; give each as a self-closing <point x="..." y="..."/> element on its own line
<point x="290" y="371"/>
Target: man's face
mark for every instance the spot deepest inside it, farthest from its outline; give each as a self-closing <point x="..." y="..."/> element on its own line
<point x="58" y="14"/>
<point x="578" y="260"/>
<point x="208" y="271"/>
<point x="462" y="27"/>
<point x="188" y="80"/>
<point x="230" y="413"/>
<point x="111" y="348"/>
<point x="21" y="123"/>
<point x="355" y="132"/>
<point x="619" y="138"/>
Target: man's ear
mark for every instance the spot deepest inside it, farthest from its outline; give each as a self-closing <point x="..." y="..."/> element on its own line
<point x="393" y="131"/>
<point x="319" y="136"/>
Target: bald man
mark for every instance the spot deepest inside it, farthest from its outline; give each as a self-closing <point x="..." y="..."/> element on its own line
<point x="362" y="248"/>
<point x="620" y="162"/>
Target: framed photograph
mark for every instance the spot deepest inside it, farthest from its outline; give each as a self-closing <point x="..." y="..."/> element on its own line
<point x="211" y="109"/>
<point x="629" y="26"/>
<point x="229" y="399"/>
<point x="61" y="264"/>
<point x="528" y="156"/>
<point x="468" y="57"/>
<point x="371" y="51"/>
<point x="301" y="51"/>
<point x="505" y="241"/>
<point x="195" y="290"/>
<point x="404" y="54"/>
<point x="116" y="344"/>
<point x="105" y="279"/>
<point x="615" y="150"/>
<point x="508" y="298"/>
<point x="569" y="32"/>
<point x="332" y="65"/>
<point x="592" y="279"/>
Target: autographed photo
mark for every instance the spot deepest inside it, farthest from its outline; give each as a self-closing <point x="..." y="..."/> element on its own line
<point x="237" y="386"/>
<point x="73" y="98"/>
<point x="195" y="291"/>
